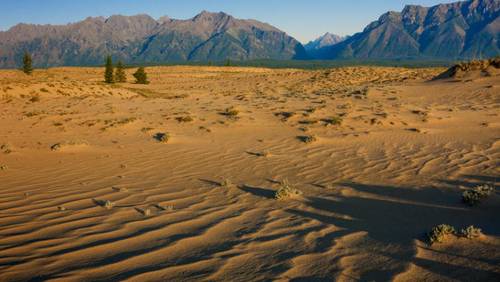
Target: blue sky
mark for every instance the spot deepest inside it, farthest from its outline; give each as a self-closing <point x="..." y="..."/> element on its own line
<point x="303" y="19"/>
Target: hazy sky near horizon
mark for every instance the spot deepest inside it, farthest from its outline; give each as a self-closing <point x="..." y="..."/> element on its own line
<point x="302" y="19"/>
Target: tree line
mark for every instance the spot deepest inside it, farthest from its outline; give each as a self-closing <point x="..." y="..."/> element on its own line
<point x="112" y="74"/>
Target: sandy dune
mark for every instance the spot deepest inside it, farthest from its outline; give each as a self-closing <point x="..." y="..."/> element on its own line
<point x="87" y="193"/>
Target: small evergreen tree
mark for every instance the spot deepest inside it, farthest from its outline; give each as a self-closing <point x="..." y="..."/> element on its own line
<point x="141" y="76"/>
<point x="228" y="63"/>
<point x="27" y="63"/>
<point x="120" y="75"/>
<point x="108" y="72"/>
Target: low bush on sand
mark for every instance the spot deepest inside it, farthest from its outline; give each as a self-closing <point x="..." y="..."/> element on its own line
<point x="231" y="112"/>
<point x="474" y="196"/>
<point x="162" y="137"/>
<point x="471" y="232"/>
<point x="286" y="191"/>
<point x="438" y="234"/>
<point x="307" y="138"/>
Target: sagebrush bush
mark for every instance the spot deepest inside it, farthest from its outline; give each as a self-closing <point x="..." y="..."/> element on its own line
<point x="439" y="233"/>
<point x="471" y="232"/>
<point x="286" y="191"/>
<point x="474" y="196"/>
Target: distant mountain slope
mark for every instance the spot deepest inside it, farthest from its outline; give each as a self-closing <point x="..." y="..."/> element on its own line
<point x="314" y="48"/>
<point x="328" y="39"/>
<point x="469" y="29"/>
<point x="140" y="39"/>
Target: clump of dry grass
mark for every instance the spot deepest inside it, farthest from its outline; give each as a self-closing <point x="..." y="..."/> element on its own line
<point x="184" y="119"/>
<point x="474" y="196"/>
<point x="6" y="148"/>
<point x="120" y="189"/>
<point x="286" y="191"/>
<point x="332" y="121"/>
<point x="144" y="211"/>
<point x="4" y="167"/>
<point x="165" y="207"/>
<point x="226" y="183"/>
<point x="230" y="112"/>
<point x="285" y="115"/>
<point x="35" y="98"/>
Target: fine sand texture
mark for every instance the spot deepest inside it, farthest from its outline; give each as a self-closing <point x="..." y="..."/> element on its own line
<point x="176" y="180"/>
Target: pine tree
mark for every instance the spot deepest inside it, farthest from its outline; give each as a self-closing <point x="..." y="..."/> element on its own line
<point x="141" y="76"/>
<point x="27" y="63"/>
<point x="120" y="75"/>
<point x="108" y="73"/>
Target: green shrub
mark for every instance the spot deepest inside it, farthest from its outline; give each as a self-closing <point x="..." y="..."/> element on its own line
<point x="471" y="232"/>
<point x="473" y="196"/>
<point x="439" y="233"/>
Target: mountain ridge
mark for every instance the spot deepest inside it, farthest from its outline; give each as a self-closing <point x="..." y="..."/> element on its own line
<point x="458" y="30"/>
<point x="141" y="39"/>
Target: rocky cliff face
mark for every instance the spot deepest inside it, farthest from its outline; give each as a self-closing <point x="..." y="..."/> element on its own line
<point x="469" y="29"/>
<point x="142" y="39"/>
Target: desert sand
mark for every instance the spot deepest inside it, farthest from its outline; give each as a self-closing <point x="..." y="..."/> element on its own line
<point x="90" y="192"/>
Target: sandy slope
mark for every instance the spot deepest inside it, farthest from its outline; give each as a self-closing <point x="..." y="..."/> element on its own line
<point x="372" y="186"/>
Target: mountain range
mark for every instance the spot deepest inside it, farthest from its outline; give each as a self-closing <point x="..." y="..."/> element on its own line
<point x="468" y="29"/>
<point x="142" y="39"/>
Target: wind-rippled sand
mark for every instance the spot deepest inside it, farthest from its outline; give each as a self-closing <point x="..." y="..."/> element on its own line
<point x="373" y="185"/>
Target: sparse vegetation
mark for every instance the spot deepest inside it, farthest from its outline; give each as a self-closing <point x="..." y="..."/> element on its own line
<point x="286" y="191"/>
<point x="307" y="138"/>
<point x="108" y="204"/>
<point x="285" y="115"/>
<point x="164" y="207"/>
<point x="332" y="121"/>
<point x="230" y="112"/>
<point x="184" y="119"/>
<point x="226" y="183"/>
<point x="162" y="137"/>
<point x="35" y="98"/>
<point x="471" y="232"/>
<point x="439" y="233"/>
<point x="474" y="196"/>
